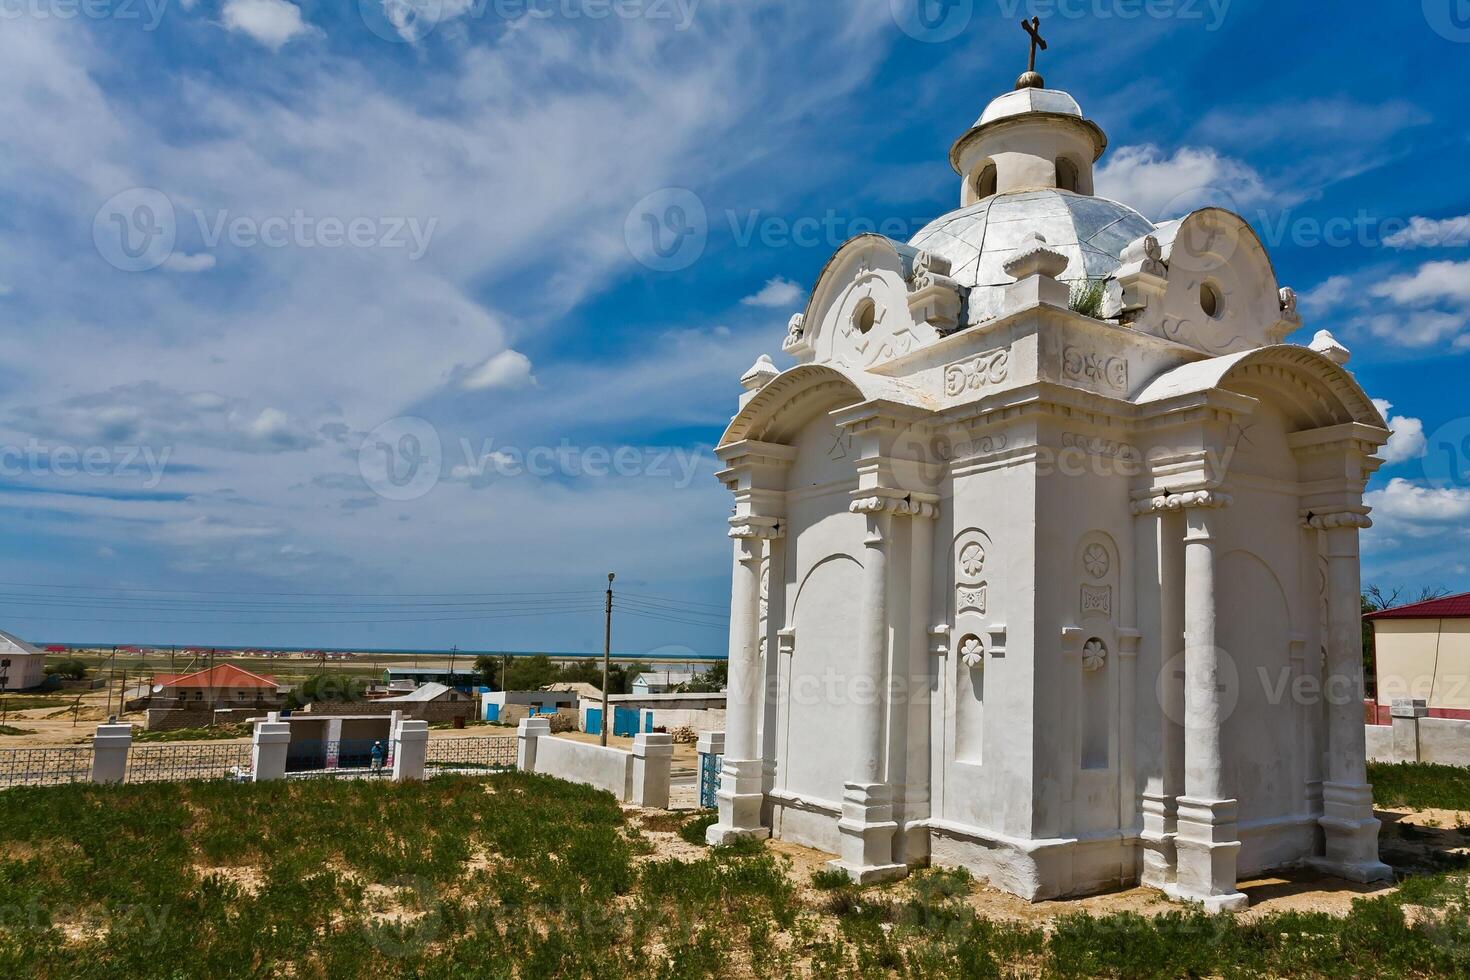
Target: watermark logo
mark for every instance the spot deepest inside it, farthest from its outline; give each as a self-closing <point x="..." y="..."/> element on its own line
<point x="667" y="231"/>
<point x="932" y="21"/>
<point x="1450" y="19"/>
<point x="402" y="459"/>
<point x="401" y="21"/>
<point x="135" y="230"/>
<point x="1447" y="459"/>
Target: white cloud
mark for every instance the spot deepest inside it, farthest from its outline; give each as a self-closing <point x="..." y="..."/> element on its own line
<point x="184" y="262"/>
<point x="1431" y="233"/>
<point x="1407" y="439"/>
<point x="150" y="414"/>
<point x="1423" y="508"/>
<point x="1433" y="282"/>
<point x="508" y="369"/>
<point x="271" y="22"/>
<point x="1164" y="187"/>
<point x="776" y="293"/>
<point x="1421" y="329"/>
<point x="1327" y="295"/>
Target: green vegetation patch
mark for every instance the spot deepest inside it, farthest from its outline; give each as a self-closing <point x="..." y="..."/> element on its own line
<point x="194" y="734"/>
<point x="522" y="875"/>
<point x="1420" y="785"/>
<point x="12" y="730"/>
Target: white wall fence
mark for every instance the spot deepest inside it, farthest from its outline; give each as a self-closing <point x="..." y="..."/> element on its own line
<point x="640" y="777"/>
<point x="1413" y="736"/>
<point x="408" y="754"/>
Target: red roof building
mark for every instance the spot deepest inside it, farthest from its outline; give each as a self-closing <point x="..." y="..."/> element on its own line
<point x="1450" y="607"/>
<point x="224" y="683"/>
<point x="1422" y="651"/>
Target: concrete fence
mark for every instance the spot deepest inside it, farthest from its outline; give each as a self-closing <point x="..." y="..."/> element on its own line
<point x="1413" y="736"/>
<point x="113" y="758"/>
<point x="640" y="777"/>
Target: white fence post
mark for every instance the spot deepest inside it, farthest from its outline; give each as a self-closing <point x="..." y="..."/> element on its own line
<point x="110" y="753"/>
<point x="529" y="730"/>
<point x="653" y="757"/>
<point x="1405" y="714"/>
<point x="412" y="750"/>
<point x="268" y="748"/>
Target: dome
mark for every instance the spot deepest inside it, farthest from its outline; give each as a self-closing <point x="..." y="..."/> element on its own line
<point x="978" y="240"/>
<point x="1026" y="100"/>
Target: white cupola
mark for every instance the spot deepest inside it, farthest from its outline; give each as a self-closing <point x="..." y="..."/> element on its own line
<point x="1033" y="138"/>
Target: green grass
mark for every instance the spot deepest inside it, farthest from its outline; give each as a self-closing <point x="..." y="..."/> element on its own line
<point x="194" y="734"/>
<point x="26" y="702"/>
<point x="1086" y="296"/>
<point x="521" y="875"/>
<point x="1420" y="785"/>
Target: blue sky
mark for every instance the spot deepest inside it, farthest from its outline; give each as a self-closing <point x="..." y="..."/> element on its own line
<point x="253" y="253"/>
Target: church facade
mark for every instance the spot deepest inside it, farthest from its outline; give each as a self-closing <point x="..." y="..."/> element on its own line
<point x="1046" y="549"/>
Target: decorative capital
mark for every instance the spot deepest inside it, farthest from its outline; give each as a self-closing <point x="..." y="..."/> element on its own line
<point x="904" y="505"/>
<point x="758" y="528"/>
<point x="761" y="373"/>
<point x="1338" y="519"/>
<point x="1163" y="503"/>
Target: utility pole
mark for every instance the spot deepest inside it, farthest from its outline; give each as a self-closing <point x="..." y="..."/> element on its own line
<point x="606" y="657"/>
<point x="453" y="654"/>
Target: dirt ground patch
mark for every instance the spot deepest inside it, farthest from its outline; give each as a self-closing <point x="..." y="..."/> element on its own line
<point x="1414" y="839"/>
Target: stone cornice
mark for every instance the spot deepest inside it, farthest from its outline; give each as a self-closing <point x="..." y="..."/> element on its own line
<point x="1213" y="499"/>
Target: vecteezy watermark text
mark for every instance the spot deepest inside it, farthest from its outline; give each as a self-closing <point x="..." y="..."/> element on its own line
<point x="149" y="13"/>
<point x="35" y="459"/>
<point x="404" y="458"/>
<point x="138" y="230"/>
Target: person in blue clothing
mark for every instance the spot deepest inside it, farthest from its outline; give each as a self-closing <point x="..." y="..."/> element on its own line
<point x="377" y="757"/>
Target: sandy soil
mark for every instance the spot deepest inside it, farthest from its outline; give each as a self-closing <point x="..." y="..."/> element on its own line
<point x="1430" y="831"/>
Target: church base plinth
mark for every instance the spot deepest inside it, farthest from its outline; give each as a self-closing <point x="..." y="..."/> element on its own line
<point x="1351" y="833"/>
<point x="867" y="828"/>
<point x="1207" y="848"/>
<point x="1159" y="852"/>
<point x="739" y="799"/>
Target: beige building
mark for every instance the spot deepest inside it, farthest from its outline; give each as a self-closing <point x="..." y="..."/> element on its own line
<point x="1423" y="651"/>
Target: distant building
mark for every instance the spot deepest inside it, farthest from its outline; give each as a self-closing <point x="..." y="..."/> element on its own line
<point x="463" y="680"/>
<point x="22" y="666"/>
<point x="431" y="692"/>
<point x="1422" y="651"/>
<point x="661" y="681"/>
<point x="223" y="686"/>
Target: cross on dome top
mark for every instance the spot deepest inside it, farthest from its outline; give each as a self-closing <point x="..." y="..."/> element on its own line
<point x="1031" y="79"/>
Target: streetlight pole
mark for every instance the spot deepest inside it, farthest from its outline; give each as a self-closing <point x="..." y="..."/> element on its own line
<point x="606" y="657"/>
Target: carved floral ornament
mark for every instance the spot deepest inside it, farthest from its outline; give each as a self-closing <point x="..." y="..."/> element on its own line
<point x="972" y="559"/>
<point x="972" y="651"/>
<point x="1095" y="559"/>
<point x="975" y="373"/>
<point x="1094" y="654"/>
<point x="1084" y="365"/>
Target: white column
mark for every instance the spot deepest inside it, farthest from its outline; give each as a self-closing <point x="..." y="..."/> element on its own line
<point x="1165" y="539"/>
<point x="529" y="730"/>
<point x="269" y="747"/>
<point x="110" y="753"/>
<point x="1347" y="800"/>
<point x="1207" y="842"/>
<point x="412" y="750"/>
<point x="653" y="756"/>
<point x="741" y="777"/>
<point x="867" y="825"/>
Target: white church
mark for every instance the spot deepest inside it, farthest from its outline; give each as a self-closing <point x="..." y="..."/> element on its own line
<point x="1046" y="550"/>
